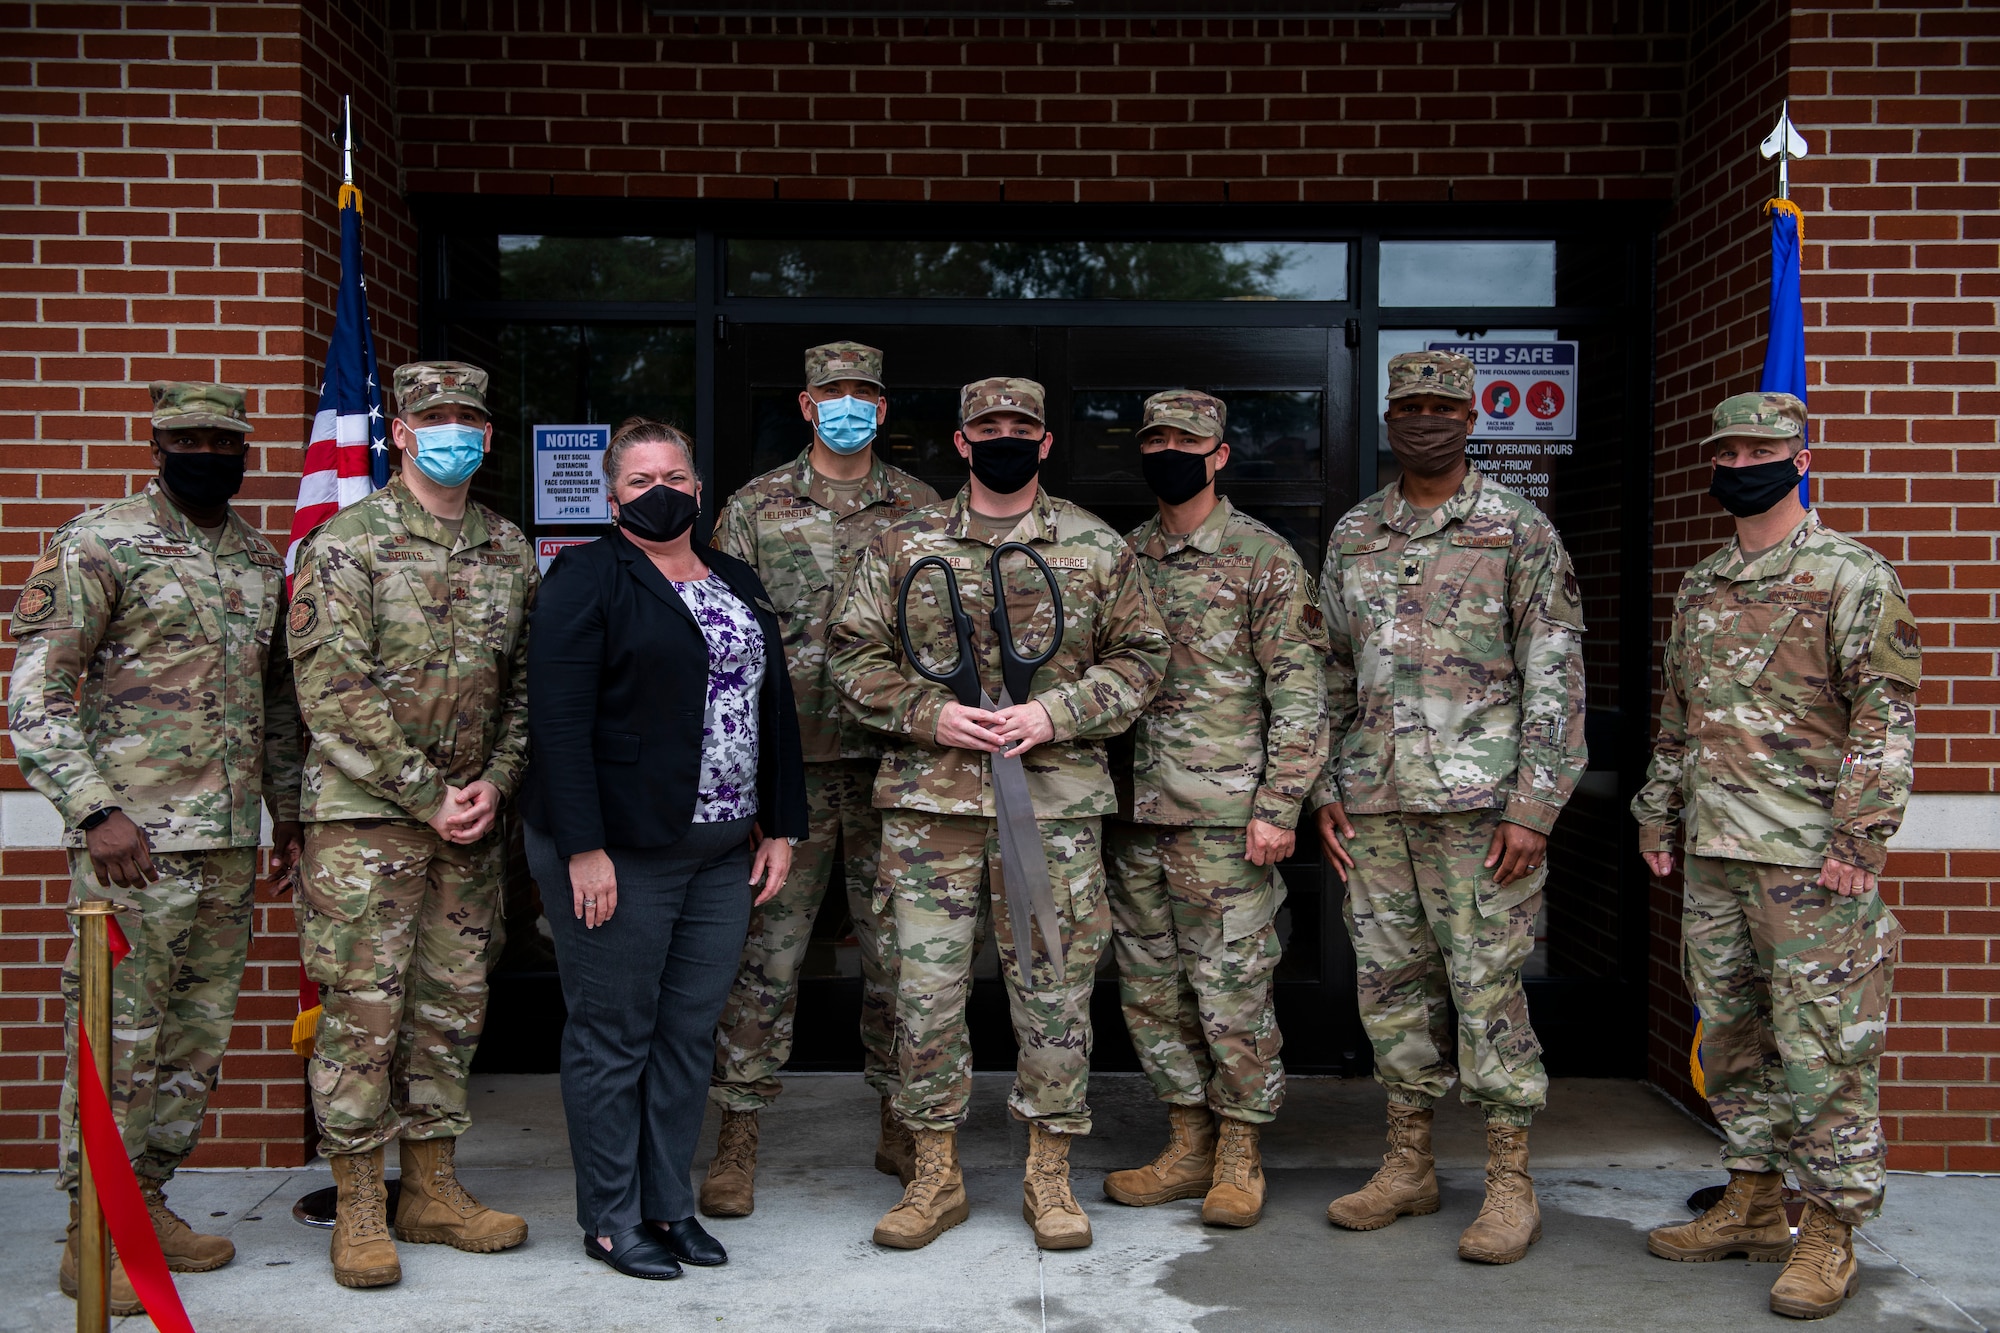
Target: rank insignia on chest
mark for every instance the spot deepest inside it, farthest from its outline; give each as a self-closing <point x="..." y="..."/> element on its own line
<point x="1803" y="578"/>
<point x="37" y="603"/>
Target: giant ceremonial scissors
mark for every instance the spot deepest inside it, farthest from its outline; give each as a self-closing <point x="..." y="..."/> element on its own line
<point x="1024" y="867"/>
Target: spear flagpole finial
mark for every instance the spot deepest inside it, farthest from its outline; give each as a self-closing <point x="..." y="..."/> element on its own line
<point x="1785" y="143"/>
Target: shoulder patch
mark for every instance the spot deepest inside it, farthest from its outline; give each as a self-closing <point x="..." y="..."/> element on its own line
<point x="1311" y="619"/>
<point x="37" y="602"/>
<point x="50" y="559"/>
<point x="1898" y="650"/>
<point x="304" y="617"/>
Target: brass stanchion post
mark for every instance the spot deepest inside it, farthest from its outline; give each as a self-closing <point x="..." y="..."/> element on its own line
<point x="93" y="951"/>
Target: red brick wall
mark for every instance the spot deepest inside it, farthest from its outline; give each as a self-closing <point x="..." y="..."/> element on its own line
<point x="1901" y="273"/>
<point x="1902" y="252"/>
<point x="1514" y="101"/>
<point x="166" y="212"/>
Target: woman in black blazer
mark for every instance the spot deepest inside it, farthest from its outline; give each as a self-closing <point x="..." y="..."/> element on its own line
<point x="665" y="789"/>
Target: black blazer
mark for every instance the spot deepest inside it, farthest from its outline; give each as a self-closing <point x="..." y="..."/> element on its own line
<point x="617" y="688"/>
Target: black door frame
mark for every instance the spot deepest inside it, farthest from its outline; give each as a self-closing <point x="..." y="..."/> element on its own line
<point x="1595" y="1026"/>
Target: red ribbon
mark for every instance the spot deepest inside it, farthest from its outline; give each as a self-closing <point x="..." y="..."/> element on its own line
<point x="117" y="1188"/>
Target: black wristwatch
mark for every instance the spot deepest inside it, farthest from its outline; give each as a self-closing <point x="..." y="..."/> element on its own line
<point x="96" y="817"/>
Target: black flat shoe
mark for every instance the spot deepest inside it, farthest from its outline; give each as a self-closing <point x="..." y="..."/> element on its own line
<point x="687" y="1242"/>
<point x="636" y="1252"/>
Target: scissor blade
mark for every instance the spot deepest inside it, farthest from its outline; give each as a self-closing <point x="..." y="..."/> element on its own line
<point x="1021" y="846"/>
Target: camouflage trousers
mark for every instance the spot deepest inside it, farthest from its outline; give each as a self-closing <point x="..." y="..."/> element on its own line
<point x="1421" y="935"/>
<point x="1194" y="928"/>
<point x="398" y="926"/>
<point x="173" y="1000"/>
<point x="1793" y="984"/>
<point x="936" y="870"/>
<point x="754" y="1038"/>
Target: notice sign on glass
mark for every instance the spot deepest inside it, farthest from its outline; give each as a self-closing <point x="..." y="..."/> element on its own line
<point x="569" y="474"/>
<point x="1526" y="394"/>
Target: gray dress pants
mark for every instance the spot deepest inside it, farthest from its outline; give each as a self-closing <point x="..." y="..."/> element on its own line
<point x="644" y="992"/>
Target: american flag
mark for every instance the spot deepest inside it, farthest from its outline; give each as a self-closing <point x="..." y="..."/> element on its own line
<point x="348" y="457"/>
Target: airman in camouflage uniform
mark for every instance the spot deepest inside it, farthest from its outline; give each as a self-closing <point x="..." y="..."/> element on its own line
<point x="409" y="636"/>
<point x="800" y="527"/>
<point x="1224" y="754"/>
<point x="1455" y="697"/>
<point x="148" y="705"/>
<point x="939" y="833"/>
<point x="1783" y="763"/>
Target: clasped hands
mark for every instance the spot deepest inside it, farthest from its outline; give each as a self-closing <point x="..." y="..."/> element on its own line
<point x="467" y="813"/>
<point x="1012" y="731"/>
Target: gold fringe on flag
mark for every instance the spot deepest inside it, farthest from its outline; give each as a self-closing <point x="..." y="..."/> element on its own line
<point x="353" y="192"/>
<point x="1770" y="206"/>
<point x="305" y="1032"/>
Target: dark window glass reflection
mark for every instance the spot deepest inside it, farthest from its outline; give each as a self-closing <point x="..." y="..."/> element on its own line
<point x="1060" y="270"/>
<point x="1273" y="434"/>
<point x="563" y="374"/>
<point x="570" y="268"/>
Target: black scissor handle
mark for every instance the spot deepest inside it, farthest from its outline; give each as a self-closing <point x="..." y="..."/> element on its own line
<point x="1017" y="672"/>
<point x="963" y="677"/>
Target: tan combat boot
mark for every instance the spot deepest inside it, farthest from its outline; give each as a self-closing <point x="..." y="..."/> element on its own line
<point x="186" y="1250"/>
<point x="119" y="1297"/>
<point x="1748" y="1221"/>
<point x="934" y="1201"/>
<point x="1046" y="1201"/>
<point x="730" y="1187"/>
<point x="895" y="1151"/>
<point x="362" y="1251"/>
<point x="1236" y="1198"/>
<point x="1822" y="1272"/>
<point x="1510" y="1220"/>
<point x="432" y="1208"/>
<point x="1184" y="1169"/>
<point x="1405" y="1184"/>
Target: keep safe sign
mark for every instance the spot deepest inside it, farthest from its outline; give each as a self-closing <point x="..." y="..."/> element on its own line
<point x="569" y="474"/>
<point x="1524" y="390"/>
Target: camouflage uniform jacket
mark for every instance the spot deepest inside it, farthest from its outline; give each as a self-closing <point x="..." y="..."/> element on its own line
<point x="1456" y="677"/>
<point x="801" y="538"/>
<point x="412" y="656"/>
<point x="1788" y="723"/>
<point x="146" y="678"/>
<point x="1110" y="662"/>
<point x="1238" y="730"/>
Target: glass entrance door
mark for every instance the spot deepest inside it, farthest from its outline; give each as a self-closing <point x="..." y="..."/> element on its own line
<point x="1293" y="466"/>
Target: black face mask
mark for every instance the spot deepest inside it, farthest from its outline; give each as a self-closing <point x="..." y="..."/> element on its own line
<point x="660" y="515"/>
<point x="203" y="480"/>
<point x="1006" y="464"/>
<point x="1754" y="489"/>
<point x="1174" y="476"/>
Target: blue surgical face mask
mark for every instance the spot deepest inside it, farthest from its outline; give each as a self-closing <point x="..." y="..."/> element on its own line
<point x="449" y="455"/>
<point x="847" y="424"/>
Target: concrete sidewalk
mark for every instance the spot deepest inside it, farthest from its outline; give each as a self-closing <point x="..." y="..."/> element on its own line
<point x="1611" y="1160"/>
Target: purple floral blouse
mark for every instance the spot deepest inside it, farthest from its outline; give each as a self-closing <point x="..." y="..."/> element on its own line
<point x="735" y="676"/>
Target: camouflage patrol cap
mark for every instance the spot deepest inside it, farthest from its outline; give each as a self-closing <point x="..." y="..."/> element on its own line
<point x="422" y="384"/>
<point x="1760" y="416"/>
<point x="1190" y="410"/>
<point x="179" y="406"/>
<point x="1446" y="374"/>
<point x="1000" y="394"/>
<point x="830" y="362"/>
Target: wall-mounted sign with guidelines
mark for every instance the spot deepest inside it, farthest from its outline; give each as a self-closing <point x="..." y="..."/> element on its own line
<point x="1526" y="394"/>
<point x="569" y="474"/>
<point x="548" y="548"/>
